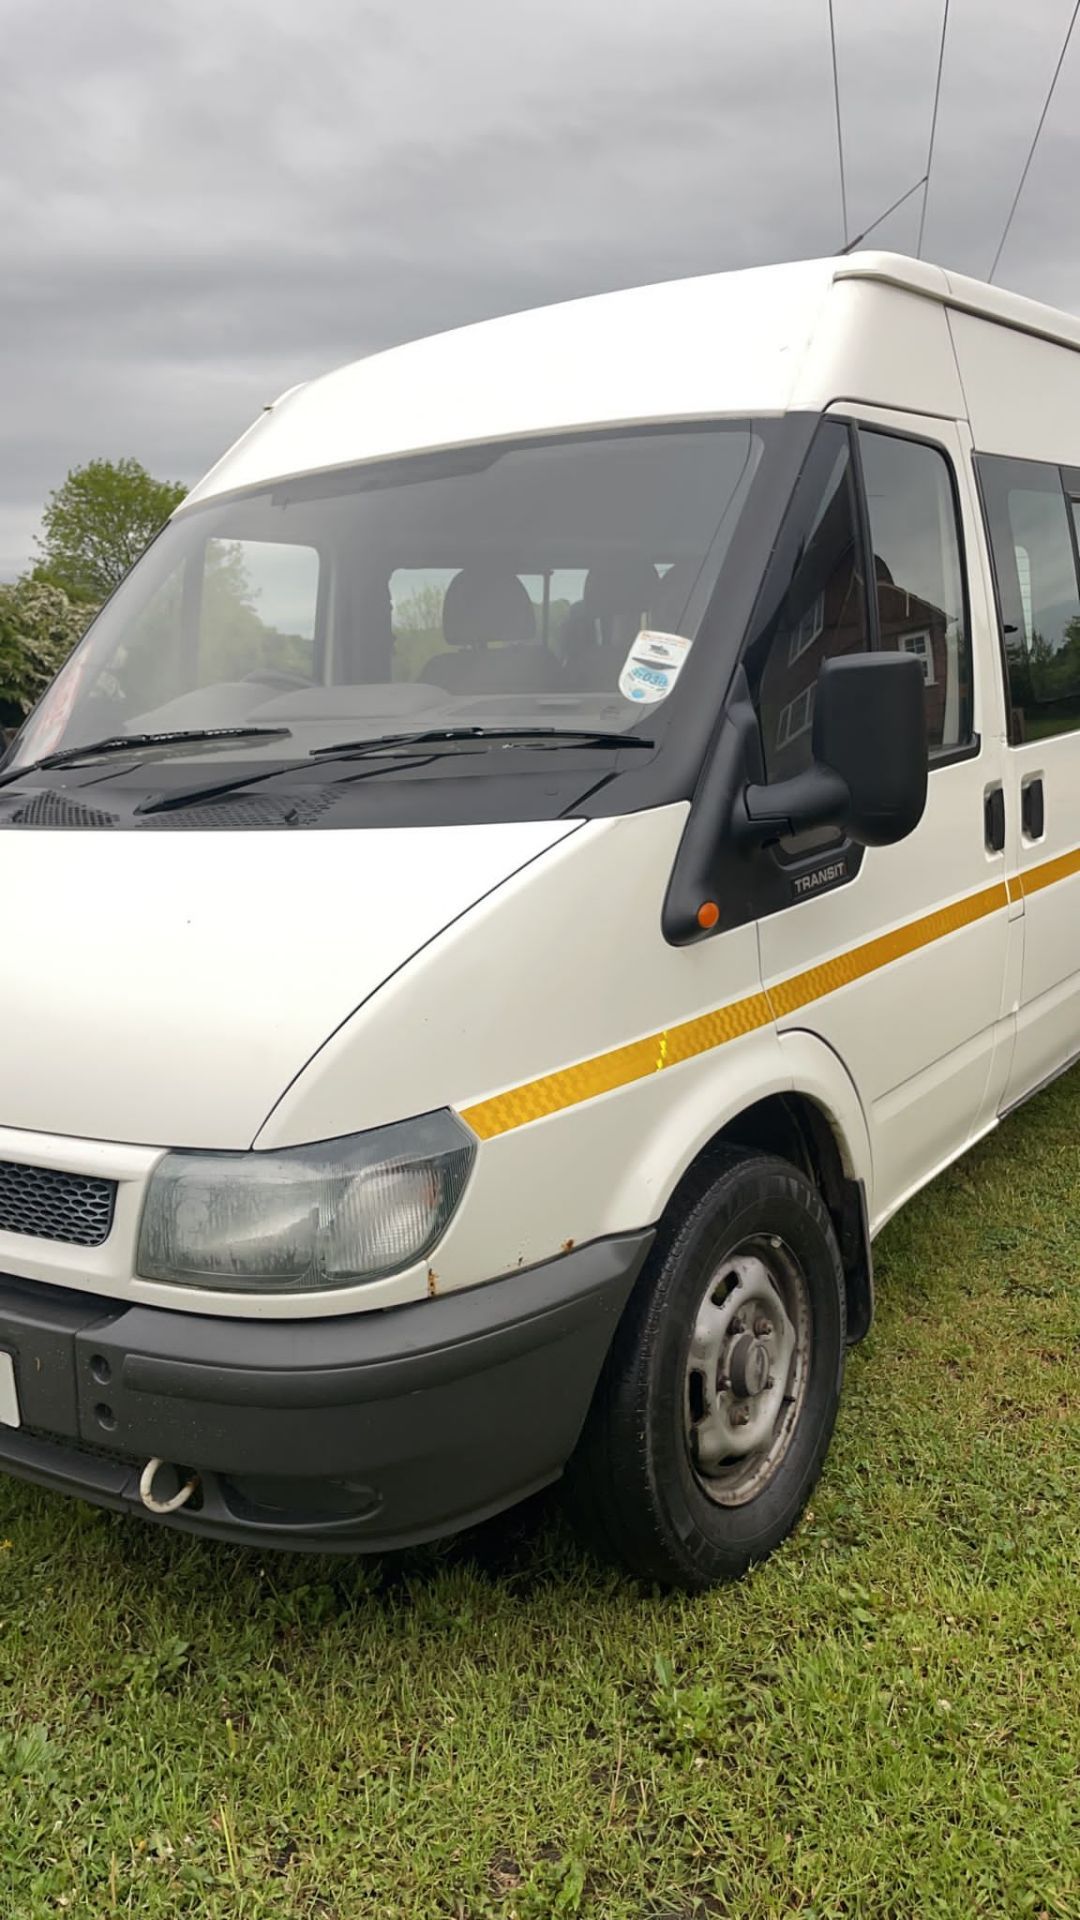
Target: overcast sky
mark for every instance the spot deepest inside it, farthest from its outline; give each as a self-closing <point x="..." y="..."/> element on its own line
<point x="203" y="203"/>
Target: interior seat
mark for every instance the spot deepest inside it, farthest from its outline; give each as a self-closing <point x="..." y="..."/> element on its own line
<point x="489" y="622"/>
<point x="596" y="636"/>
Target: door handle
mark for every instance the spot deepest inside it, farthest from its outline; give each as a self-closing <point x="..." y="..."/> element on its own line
<point x="1033" y="808"/>
<point x="994" y="820"/>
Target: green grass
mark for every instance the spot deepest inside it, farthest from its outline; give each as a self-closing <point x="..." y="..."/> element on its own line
<point x="883" y="1721"/>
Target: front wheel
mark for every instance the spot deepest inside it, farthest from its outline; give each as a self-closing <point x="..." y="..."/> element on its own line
<point x="717" y="1402"/>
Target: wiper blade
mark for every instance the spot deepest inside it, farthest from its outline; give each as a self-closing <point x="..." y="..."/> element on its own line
<point x="134" y="742"/>
<point x="434" y="736"/>
<point x="197" y="796"/>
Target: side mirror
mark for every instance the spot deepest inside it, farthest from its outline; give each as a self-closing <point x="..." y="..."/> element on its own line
<point x="869" y="767"/>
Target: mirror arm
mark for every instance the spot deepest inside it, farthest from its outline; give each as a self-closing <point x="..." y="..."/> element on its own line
<point x="817" y="798"/>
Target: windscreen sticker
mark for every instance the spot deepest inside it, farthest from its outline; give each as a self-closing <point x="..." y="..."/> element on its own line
<point x="653" y="665"/>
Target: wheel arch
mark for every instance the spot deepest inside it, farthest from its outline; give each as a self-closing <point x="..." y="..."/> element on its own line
<point x="813" y="1117"/>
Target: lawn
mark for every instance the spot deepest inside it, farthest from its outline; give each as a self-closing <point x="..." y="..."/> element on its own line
<point x="884" y="1721"/>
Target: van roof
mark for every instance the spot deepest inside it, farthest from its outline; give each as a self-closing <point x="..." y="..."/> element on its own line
<point x="958" y="290"/>
<point x="678" y="350"/>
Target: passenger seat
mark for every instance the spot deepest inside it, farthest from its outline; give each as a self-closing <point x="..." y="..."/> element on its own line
<point x="490" y="622"/>
<point x="597" y="634"/>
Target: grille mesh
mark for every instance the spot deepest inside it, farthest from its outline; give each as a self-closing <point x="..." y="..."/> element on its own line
<point x="55" y="1206"/>
<point x="244" y="810"/>
<point x="49" y="809"/>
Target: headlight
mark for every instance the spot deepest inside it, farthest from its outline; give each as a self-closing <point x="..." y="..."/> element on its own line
<point x="309" y="1217"/>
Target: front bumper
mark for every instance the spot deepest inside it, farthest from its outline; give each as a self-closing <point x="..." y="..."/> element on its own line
<point x="350" y="1434"/>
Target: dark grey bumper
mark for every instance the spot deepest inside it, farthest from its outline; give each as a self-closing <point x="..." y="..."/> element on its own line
<point x="345" y="1434"/>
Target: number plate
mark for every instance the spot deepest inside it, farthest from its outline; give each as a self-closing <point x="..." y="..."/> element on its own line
<point x="9" y="1396"/>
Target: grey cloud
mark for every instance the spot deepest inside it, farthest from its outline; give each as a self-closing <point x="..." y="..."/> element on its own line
<point x="202" y="205"/>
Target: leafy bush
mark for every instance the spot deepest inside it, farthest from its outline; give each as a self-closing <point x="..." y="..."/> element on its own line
<point x="39" y="625"/>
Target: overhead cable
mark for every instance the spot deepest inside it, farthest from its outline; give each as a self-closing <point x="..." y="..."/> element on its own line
<point x="839" y="132"/>
<point x="933" y="127"/>
<point x="884" y="216"/>
<point x="1035" y="141"/>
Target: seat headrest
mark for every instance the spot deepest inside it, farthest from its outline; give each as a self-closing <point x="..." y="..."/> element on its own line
<point x="487" y="605"/>
<point x="626" y="584"/>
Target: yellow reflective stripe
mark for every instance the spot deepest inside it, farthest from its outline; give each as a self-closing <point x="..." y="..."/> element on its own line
<point x="606" y="1071"/>
<point x="620" y="1067"/>
<point x="1033" y="879"/>
<point x="788" y="995"/>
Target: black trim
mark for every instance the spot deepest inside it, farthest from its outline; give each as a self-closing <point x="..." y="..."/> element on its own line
<point x="864" y="537"/>
<point x="969" y="751"/>
<point x="986" y="466"/>
<point x="1033" y="807"/>
<point x="747" y="881"/>
<point x="857" y="1254"/>
<point x="994" y="818"/>
<point x="978" y="463"/>
<point x="965" y="749"/>
<point x="1070" y="484"/>
<point x="353" y="1432"/>
<point x="845" y="850"/>
<point x="795" y="864"/>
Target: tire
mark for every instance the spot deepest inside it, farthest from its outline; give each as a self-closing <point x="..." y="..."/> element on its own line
<point x="651" y="1484"/>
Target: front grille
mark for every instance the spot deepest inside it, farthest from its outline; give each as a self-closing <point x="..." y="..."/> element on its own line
<point x="55" y="1206"/>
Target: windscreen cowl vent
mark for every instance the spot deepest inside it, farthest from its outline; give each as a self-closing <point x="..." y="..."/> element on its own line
<point x="243" y="811"/>
<point x="50" y="809"/>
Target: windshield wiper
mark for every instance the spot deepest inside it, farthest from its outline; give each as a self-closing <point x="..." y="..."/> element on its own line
<point x="556" y="736"/>
<point x="429" y="743"/>
<point x="134" y="742"/>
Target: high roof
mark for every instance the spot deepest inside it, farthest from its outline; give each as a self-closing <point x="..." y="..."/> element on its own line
<point x="682" y="350"/>
<point x="960" y="291"/>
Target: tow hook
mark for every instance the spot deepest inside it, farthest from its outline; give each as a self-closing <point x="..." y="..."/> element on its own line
<point x="146" y="1490"/>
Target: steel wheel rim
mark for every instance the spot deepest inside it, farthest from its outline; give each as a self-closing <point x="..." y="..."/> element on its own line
<point x="747" y="1366"/>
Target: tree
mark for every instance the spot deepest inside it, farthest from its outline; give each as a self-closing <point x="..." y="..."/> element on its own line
<point x="97" y="524"/>
<point x="39" y="625"/>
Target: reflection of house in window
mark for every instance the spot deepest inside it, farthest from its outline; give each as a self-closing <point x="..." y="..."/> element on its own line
<point x="828" y="621"/>
<point x="822" y="614"/>
<point x="797" y="717"/>
<point x="909" y="624"/>
<point x="806" y="631"/>
<point x="919" y="645"/>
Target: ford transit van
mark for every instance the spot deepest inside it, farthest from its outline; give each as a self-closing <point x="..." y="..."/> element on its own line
<point x="570" y="825"/>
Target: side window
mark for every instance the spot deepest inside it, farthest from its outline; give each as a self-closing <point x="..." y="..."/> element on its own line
<point x="258" y="609"/>
<point x="813" y="607"/>
<point x="416" y="597"/>
<point x="1031" y="537"/>
<point x="918" y="575"/>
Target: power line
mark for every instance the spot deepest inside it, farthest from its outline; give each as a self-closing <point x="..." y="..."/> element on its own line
<point x="1035" y="141"/>
<point x="839" y="133"/>
<point x="933" y="127"/>
<point x="885" y="215"/>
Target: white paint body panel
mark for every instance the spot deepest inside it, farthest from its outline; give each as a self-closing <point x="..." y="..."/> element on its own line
<point x="220" y="990"/>
<point x="1022" y="394"/>
<point x="731" y="343"/>
<point x="1048" y="1003"/>
<point x="920" y="1036"/>
<point x="165" y="989"/>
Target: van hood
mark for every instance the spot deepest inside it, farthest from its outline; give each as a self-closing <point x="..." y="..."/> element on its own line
<point x="164" y="990"/>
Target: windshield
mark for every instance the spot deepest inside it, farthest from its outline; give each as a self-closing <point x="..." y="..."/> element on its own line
<point x="555" y="585"/>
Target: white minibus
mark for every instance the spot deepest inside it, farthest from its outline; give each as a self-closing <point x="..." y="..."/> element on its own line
<point x="568" y="827"/>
